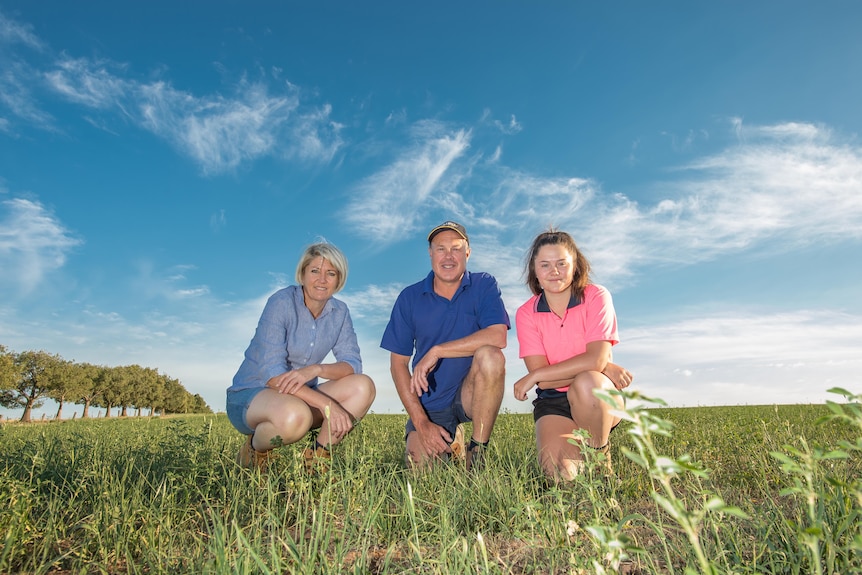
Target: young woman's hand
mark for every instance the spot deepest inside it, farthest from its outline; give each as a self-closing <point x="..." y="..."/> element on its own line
<point x="523" y="386"/>
<point x="619" y="376"/>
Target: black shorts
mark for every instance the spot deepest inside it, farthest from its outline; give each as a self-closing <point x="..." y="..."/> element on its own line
<point x="558" y="405"/>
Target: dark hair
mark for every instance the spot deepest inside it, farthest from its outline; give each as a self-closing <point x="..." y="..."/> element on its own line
<point x="554" y="237"/>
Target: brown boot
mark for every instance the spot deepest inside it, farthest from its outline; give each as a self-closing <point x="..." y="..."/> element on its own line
<point x="605" y="450"/>
<point x="316" y="460"/>
<point x="251" y="458"/>
<point x="459" y="452"/>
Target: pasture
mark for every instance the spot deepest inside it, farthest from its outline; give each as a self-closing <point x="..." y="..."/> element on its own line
<point x="700" y="491"/>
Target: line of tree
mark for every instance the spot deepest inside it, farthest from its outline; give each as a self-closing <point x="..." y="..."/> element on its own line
<point x="29" y="378"/>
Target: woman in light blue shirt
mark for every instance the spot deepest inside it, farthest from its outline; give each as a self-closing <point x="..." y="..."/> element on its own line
<point x="276" y="397"/>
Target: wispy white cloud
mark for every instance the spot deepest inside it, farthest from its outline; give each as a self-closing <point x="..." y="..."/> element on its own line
<point x="12" y="32"/>
<point x="16" y="94"/>
<point x="766" y="358"/>
<point x="779" y="187"/>
<point x="389" y="203"/>
<point x="88" y="82"/>
<point x="218" y="221"/>
<point x="219" y="133"/>
<point x="33" y="243"/>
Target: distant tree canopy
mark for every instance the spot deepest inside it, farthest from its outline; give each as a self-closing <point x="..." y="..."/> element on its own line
<point x="28" y="378"/>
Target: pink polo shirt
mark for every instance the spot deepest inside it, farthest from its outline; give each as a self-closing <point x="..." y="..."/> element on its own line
<point x="541" y="332"/>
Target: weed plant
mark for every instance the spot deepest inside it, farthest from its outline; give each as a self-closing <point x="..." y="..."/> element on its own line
<point x="763" y="489"/>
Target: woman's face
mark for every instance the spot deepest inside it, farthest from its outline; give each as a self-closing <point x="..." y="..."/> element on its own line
<point x="555" y="268"/>
<point x="319" y="280"/>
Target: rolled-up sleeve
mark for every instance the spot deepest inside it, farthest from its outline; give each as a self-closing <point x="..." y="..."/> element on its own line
<point x="346" y="347"/>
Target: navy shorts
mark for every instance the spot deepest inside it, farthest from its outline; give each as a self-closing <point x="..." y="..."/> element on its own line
<point x="448" y="419"/>
<point x="237" y="407"/>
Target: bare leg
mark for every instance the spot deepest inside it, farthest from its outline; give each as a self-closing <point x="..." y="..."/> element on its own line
<point x="277" y="415"/>
<point x="355" y="393"/>
<point x="590" y="412"/>
<point x="559" y="458"/>
<point x="482" y="392"/>
<point x="273" y="414"/>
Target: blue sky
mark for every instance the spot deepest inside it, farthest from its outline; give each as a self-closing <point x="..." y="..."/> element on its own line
<point x="162" y="166"/>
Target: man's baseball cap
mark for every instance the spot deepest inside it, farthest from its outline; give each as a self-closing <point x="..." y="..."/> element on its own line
<point x="449" y="225"/>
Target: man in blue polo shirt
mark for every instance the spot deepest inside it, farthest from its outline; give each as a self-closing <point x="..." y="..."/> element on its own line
<point x="456" y="324"/>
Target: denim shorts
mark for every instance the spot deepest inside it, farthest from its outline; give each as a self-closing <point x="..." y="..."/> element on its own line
<point x="237" y="407"/>
<point x="448" y="419"/>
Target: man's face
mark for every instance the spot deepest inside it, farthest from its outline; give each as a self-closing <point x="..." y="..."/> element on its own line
<point x="449" y="253"/>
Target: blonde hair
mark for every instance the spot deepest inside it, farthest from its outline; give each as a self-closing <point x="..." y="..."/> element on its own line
<point x="328" y="252"/>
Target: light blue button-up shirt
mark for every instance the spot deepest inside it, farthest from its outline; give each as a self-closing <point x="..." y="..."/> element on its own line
<point x="288" y="337"/>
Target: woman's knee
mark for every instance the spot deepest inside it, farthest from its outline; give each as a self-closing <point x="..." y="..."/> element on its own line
<point x="292" y="423"/>
<point x="365" y="387"/>
<point x="581" y="389"/>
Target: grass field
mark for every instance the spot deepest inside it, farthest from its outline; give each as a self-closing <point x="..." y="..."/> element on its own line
<point x="164" y="495"/>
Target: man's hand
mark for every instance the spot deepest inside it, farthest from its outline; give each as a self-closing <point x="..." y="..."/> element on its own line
<point x="419" y="379"/>
<point x="433" y="439"/>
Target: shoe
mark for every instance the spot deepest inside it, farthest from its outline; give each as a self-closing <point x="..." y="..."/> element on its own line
<point x="605" y="450"/>
<point x="251" y="458"/>
<point x="476" y="458"/>
<point x="316" y="461"/>
<point x="457" y="446"/>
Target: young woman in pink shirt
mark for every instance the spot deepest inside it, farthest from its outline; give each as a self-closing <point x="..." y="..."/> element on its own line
<point x="566" y="332"/>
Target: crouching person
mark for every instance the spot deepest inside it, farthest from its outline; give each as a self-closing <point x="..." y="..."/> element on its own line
<point x="282" y="389"/>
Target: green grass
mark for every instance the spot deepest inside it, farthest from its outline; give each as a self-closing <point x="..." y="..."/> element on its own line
<point x="164" y="495"/>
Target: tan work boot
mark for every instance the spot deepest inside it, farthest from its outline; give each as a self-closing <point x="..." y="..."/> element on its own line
<point x="251" y="458"/>
<point x="459" y="452"/>
<point x="605" y="450"/>
<point x="316" y="461"/>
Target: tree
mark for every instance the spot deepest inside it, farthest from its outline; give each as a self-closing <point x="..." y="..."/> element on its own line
<point x="8" y="370"/>
<point x="31" y="383"/>
<point x="199" y="405"/>
<point x="66" y="381"/>
<point x="148" y="390"/>
<point x="89" y="390"/>
<point x="176" y="396"/>
<point x="110" y="383"/>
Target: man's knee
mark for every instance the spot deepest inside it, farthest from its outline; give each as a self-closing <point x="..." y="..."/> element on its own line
<point x="490" y="360"/>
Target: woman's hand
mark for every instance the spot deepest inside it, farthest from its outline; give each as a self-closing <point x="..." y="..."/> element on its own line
<point x="338" y="420"/>
<point x="619" y="376"/>
<point x="523" y="386"/>
<point x="293" y="380"/>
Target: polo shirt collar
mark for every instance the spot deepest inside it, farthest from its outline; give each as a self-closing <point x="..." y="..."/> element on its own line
<point x="428" y="283"/>
<point x="542" y="303"/>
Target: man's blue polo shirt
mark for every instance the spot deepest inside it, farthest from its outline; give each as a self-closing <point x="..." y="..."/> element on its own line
<point x="421" y="319"/>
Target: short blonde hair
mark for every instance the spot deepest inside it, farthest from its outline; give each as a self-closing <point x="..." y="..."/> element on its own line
<point x="328" y="252"/>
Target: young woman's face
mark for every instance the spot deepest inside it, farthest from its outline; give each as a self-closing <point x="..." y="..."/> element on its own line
<point x="319" y="280"/>
<point x="555" y="268"/>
